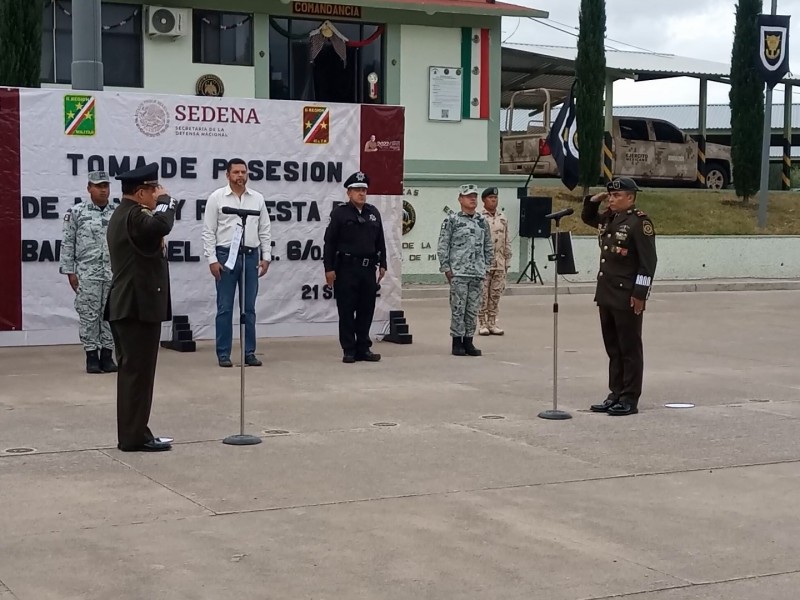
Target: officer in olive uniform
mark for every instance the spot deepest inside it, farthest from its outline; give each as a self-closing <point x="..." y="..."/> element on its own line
<point x="627" y="266"/>
<point x="354" y="247"/>
<point x="139" y="300"/>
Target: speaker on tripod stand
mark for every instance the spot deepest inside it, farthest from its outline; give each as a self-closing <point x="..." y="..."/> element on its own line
<point x="533" y="223"/>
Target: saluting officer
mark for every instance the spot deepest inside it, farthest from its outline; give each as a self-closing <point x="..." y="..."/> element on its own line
<point x="354" y="247"/>
<point x="627" y="266"/>
<point x="139" y="301"/>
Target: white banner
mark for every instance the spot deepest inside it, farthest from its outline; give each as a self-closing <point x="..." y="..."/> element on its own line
<point x="298" y="156"/>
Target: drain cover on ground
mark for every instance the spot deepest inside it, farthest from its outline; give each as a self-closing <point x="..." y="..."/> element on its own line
<point x="492" y="417"/>
<point x="679" y="405"/>
<point x="385" y="424"/>
<point x="19" y="450"/>
<point x="275" y="431"/>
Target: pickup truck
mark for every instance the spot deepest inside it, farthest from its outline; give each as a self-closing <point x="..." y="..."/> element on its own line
<point x="650" y="151"/>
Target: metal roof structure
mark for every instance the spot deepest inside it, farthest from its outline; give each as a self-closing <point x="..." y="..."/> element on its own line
<point x="526" y="66"/>
<point x="683" y="116"/>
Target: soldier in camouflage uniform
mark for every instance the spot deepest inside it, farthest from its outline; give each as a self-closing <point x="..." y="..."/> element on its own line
<point x="85" y="261"/>
<point x="495" y="283"/>
<point x="465" y="256"/>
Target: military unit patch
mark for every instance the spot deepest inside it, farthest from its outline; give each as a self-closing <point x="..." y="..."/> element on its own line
<point x="647" y="228"/>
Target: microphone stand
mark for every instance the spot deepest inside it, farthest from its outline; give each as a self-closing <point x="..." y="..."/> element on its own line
<point x="241" y="439"/>
<point x="554" y="414"/>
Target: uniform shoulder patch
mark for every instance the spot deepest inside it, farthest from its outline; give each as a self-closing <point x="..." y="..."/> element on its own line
<point x="647" y="227"/>
<point x="68" y="215"/>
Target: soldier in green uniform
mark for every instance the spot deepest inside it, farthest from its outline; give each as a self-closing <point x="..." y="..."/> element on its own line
<point x="139" y="301"/>
<point x="627" y="266"/>
<point x="85" y="262"/>
<point x="465" y="256"/>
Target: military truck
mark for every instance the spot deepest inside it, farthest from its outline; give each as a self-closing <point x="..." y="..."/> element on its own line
<point x="651" y="151"/>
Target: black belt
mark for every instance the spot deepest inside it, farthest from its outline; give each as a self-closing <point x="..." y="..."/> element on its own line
<point x="361" y="261"/>
<point x="244" y="250"/>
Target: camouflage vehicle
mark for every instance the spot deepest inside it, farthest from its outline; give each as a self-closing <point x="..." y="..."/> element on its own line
<point x="650" y="151"/>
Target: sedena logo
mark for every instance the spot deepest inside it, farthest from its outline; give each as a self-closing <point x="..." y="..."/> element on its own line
<point x="79" y="114"/>
<point x="316" y="124"/>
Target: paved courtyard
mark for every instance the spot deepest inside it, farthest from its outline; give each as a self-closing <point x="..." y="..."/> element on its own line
<point x="390" y="481"/>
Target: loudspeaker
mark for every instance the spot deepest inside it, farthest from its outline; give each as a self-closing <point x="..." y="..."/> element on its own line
<point x="565" y="263"/>
<point x="532" y="210"/>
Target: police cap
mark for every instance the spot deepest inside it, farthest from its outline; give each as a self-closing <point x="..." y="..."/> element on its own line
<point x="146" y="175"/>
<point x="492" y="191"/>
<point x="357" y="180"/>
<point x="622" y="184"/>
<point x="98" y="177"/>
<point x="468" y="189"/>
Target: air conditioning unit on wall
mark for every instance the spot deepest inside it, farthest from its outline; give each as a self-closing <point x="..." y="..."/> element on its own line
<point x="167" y="22"/>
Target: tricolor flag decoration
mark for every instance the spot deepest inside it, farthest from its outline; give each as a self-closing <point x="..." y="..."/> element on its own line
<point x="475" y="65"/>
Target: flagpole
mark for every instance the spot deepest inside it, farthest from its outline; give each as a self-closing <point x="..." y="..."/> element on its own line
<point x="763" y="194"/>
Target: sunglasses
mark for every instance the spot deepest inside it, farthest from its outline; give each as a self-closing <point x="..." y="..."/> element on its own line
<point x="361" y="220"/>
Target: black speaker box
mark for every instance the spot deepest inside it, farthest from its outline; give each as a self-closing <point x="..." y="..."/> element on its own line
<point x="532" y="210"/>
<point x="565" y="263"/>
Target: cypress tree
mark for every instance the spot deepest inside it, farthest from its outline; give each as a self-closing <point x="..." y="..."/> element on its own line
<point x="20" y="42"/>
<point x="746" y="101"/>
<point x="590" y="72"/>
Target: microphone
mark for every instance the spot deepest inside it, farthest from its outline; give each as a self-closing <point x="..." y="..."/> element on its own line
<point x="241" y="212"/>
<point x="556" y="215"/>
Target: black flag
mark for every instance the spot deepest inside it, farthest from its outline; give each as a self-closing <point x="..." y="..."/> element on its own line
<point x="563" y="142"/>
<point x="773" y="51"/>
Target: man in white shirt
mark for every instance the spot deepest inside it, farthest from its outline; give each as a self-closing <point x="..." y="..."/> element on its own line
<point x="218" y="230"/>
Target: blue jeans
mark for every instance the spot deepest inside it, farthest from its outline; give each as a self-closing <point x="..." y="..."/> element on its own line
<point x="226" y="289"/>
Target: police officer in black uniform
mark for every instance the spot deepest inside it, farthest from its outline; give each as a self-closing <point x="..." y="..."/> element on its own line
<point x="627" y="265"/>
<point x="139" y="300"/>
<point x="354" y="247"/>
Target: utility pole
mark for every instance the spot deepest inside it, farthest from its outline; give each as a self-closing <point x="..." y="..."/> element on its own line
<point x="763" y="194"/>
<point x="87" y="47"/>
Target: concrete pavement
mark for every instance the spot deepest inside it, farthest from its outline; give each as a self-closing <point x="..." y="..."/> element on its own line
<point x="423" y="476"/>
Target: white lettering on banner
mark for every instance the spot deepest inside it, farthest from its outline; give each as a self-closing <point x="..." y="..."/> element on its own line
<point x="301" y="184"/>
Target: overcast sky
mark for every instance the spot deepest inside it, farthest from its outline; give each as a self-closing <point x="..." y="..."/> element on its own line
<point x="693" y="28"/>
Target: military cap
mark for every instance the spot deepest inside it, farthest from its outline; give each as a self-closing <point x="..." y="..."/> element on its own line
<point x="468" y="189"/>
<point x="622" y="184"/>
<point x="146" y="175"/>
<point x="99" y="177"/>
<point x="492" y="191"/>
<point x="357" y="180"/>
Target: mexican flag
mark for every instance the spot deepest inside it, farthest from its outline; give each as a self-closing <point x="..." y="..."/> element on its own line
<point x="475" y="63"/>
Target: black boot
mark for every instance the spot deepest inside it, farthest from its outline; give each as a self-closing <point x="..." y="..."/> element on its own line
<point x="458" y="347"/>
<point x="92" y="362"/>
<point x="470" y="347"/>
<point x="612" y="400"/>
<point x="625" y="406"/>
<point x="107" y="361"/>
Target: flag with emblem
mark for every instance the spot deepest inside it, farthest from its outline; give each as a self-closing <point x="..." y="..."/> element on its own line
<point x="475" y="77"/>
<point x="563" y="142"/>
<point x="772" y="61"/>
<point x="79" y="114"/>
<point x="316" y="124"/>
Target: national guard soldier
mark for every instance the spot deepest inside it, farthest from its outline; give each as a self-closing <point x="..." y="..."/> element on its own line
<point x="85" y="262"/>
<point x="465" y="256"/>
<point x="354" y="247"/>
<point x="627" y="266"/>
<point x="139" y="301"/>
<point x="495" y="283"/>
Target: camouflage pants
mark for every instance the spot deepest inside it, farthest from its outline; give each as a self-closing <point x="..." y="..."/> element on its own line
<point x="493" y="287"/>
<point x="465" y="300"/>
<point x="90" y="302"/>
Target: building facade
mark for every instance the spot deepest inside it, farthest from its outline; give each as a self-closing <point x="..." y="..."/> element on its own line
<point x="441" y="60"/>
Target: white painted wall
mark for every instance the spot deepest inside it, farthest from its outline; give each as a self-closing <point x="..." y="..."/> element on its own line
<point x="695" y="257"/>
<point x="429" y="206"/>
<point x="168" y="69"/>
<point x="420" y="48"/>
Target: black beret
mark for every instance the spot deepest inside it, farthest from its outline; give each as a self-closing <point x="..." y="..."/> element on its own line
<point x="622" y="184"/>
<point x="492" y="191"/>
<point x="357" y="180"/>
<point x="146" y="175"/>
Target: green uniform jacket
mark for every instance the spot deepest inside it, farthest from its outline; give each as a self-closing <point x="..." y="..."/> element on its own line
<point x="627" y="254"/>
<point x="140" y="287"/>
